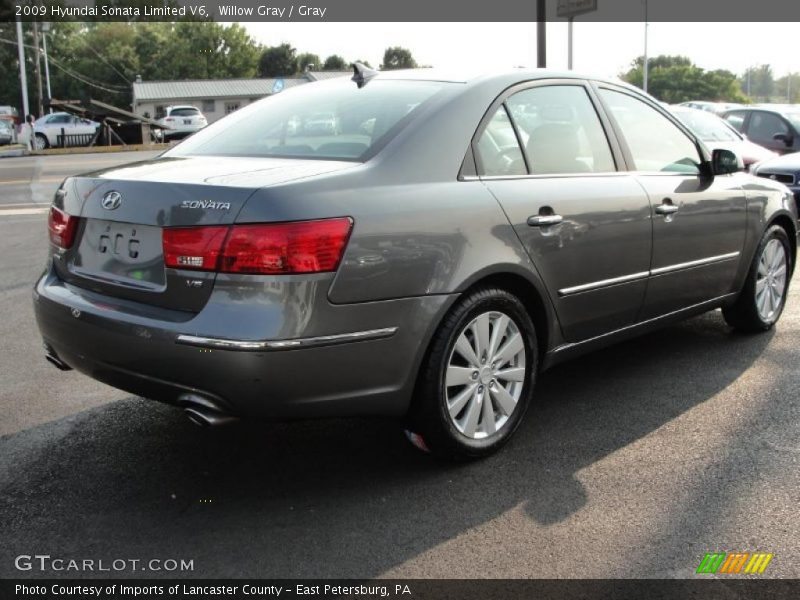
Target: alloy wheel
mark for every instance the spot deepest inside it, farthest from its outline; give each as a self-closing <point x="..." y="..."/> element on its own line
<point x="485" y="375"/>
<point x="771" y="281"/>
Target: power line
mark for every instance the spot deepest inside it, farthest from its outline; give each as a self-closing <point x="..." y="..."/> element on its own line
<point x="74" y="74"/>
<point x="120" y="73"/>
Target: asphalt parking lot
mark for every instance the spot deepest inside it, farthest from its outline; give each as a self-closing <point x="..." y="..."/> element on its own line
<point x="634" y="462"/>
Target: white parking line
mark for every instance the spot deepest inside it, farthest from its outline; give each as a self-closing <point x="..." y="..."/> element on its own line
<point x="13" y="212"/>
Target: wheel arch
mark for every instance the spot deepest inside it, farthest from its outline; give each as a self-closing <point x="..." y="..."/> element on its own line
<point x="788" y="224"/>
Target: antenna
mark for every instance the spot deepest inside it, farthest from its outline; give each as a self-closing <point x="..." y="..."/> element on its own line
<point x="362" y="74"/>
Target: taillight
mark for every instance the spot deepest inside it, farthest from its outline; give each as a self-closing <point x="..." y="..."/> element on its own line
<point x="168" y="119"/>
<point x="266" y="249"/>
<point x="62" y="227"/>
<point x="193" y="247"/>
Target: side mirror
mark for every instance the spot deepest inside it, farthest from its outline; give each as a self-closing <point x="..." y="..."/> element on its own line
<point x="724" y="162"/>
<point x="783" y="137"/>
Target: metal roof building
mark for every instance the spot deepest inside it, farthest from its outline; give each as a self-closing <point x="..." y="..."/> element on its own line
<point x="214" y="97"/>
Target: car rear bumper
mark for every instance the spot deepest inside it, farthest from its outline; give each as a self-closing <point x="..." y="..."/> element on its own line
<point x="332" y="360"/>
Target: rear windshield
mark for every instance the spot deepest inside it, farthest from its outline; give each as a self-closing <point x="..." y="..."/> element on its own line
<point x="331" y="120"/>
<point x="184" y="112"/>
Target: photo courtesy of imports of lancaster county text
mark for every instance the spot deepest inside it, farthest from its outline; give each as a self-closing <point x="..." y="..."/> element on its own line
<point x="399" y="300"/>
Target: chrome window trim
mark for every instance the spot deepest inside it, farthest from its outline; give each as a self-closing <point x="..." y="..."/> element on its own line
<point x="596" y="285"/>
<point x="289" y="344"/>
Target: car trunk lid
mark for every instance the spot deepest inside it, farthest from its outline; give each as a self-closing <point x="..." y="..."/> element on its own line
<point x="118" y="247"/>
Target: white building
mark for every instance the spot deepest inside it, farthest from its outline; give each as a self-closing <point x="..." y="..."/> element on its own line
<point x="214" y="97"/>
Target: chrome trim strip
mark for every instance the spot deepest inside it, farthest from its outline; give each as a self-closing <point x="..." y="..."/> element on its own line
<point x="604" y="283"/>
<point x="290" y="344"/>
<point x="587" y="287"/>
<point x="694" y="263"/>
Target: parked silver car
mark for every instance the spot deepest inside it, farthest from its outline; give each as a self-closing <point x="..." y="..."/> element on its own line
<point x="426" y="267"/>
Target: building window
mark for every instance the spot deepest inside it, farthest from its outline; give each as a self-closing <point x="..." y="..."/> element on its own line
<point x="160" y="111"/>
<point x="231" y="107"/>
<point x="209" y="106"/>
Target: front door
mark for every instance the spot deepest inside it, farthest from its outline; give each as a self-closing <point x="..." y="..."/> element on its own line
<point x="698" y="220"/>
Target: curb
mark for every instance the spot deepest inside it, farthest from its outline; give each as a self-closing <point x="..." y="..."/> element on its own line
<point x="101" y="149"/>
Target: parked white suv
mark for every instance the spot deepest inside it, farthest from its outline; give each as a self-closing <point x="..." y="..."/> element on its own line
<point x="47" y="129"/>
<point x="180" y="121"/>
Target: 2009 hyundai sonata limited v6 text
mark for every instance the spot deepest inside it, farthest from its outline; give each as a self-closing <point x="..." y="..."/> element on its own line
<point x="423" y="257"/>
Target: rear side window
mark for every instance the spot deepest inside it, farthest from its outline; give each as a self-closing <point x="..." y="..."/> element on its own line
<point x="736" y="119"/>
<point x="655" y="142"/>
<point x="331" y="120"/>
<point x="498" y="151"/>
<point x="560" y="130"/>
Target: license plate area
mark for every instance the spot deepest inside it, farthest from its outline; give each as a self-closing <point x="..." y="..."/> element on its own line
<point x="187" y="121"/>
<point x="122" y="254"/>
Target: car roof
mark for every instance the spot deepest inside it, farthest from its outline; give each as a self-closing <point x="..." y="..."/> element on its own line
<point x="482" y="75"/>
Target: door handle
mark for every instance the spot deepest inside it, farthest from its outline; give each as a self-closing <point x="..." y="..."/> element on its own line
<point x="666" y="209"/>
<point x="544" y="220"/>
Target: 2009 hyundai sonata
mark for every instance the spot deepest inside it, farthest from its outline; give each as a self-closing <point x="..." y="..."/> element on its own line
<point x="424" y="257"/>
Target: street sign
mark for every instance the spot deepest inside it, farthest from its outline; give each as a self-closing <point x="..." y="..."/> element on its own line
<point x="571" y="8"/>
<point x="277" y="86"/>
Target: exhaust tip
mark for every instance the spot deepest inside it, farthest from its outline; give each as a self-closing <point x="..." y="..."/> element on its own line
<point x="207" y="418"/>
<point x="196" y="417"/>
<point x="57" y="362"/>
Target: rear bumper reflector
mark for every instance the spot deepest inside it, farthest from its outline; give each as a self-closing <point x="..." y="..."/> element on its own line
<point x="292" y="344"/>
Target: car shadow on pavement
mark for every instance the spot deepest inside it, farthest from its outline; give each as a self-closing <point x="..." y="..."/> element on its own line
<point x="336" y="498"/>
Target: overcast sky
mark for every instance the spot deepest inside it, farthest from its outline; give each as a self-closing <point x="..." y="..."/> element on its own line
<point x="600" y="48"/>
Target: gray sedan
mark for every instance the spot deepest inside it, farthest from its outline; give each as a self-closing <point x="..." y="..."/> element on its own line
<point x="424" y="260"/>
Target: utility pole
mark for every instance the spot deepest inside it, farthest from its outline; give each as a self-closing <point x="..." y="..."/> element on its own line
<point x="541" y="34"/>
<point x="23" y="77"/>
<point x="645" y="65"/>
<point x="569" y="43"/>
<point x="45" y="29"/>
<point x="37" y="70"/>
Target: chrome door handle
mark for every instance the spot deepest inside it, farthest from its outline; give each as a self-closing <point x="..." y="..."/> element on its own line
<point x="666" y="209"/>
<point x="544" y="220"/>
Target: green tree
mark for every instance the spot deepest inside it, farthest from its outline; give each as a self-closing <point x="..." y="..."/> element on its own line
<point x="397" y="57"/>
<point x="759" y="83"/>
<point x="306" y="60"/>
<point x="278" y="61"/>
<point x="676" y="79"/>
<point x="363" y="62"/>
<point x="787" y="89"/>
<point x="334" y="63"/>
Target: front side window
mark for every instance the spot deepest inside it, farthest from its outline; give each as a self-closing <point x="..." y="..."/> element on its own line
<point x="498" y="152"/>
<point x="764" y="126"/>
<point x="655" y="142"/>
<point x="330" y="120"/>
<point x="560" y="130"/>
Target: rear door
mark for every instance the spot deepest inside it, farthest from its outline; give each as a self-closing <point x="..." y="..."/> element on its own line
<point x="698" y="220"/>
<point x="544" y="153"/>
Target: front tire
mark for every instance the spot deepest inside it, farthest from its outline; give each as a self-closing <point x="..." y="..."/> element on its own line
<point x="761" y="301"/>
<point x="477" y="379"/>
<point x="40" y="142"/>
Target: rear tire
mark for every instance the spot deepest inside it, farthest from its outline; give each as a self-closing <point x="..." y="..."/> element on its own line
<point x="761" y="301"/>
<point x="477" y="379"/>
